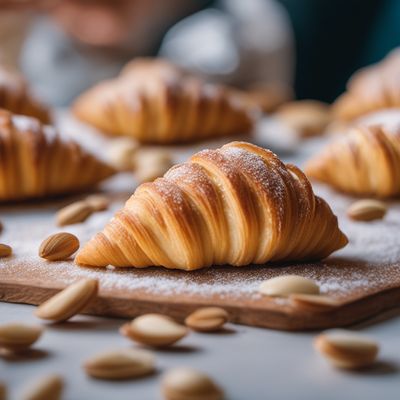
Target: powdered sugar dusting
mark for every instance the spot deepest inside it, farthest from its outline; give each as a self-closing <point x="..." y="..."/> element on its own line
<point x="370" y="263"/>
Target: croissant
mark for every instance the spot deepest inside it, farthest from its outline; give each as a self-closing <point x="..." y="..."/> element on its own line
<point x="370" y="89"/>
<point x="237" y="205"/>
<point x="35" y="162"/>
<point x="364" y="162"/>
<point x="154" y="101"/>
<point x="15" y="97"/>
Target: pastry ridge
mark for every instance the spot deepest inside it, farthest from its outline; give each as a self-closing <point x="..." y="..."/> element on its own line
<point x="366" y="161"/>
<point x="156" y="102"/>
<point x="236" y="205"/>
<point x="372" y="88"/>
<point x="36" y="162"/>
<point x="16" y="97"/>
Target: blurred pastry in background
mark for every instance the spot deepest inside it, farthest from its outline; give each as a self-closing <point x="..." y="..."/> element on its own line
<point x="154" y="101"/>
<point x="371" y="89"/>
<point x="37" y="163"/>
<point x="306" y="117"/>
<point x="365" y="161"/>
<point x="16" y="97"/>
<point x="150" y="164"/>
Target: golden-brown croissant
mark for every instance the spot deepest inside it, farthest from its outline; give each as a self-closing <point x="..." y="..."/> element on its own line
<point x="366" y="161"/>
<point x="154" y="101"/>
<point x="15" y="97"/>
<point x="237" y="205"/>
<point x="370" y="89"/>
<point x="36" y="162"/>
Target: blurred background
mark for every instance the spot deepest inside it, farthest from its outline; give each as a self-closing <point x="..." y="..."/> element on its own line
<point x="312" y="46"/>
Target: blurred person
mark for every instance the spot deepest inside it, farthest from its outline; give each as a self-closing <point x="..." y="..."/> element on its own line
<point x="74" y="43"/>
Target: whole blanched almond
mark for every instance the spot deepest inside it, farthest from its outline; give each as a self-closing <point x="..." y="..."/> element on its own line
<point x="121" y="153"/>
<point x="45" y="388"/>
<point x="69" y="301"/>
<point x="285" y="285"/>
<point x="151" y="164"/>
<point x="207" y="319"/>
<point x="367" y="210"/>
<point x="59" y="246"/>
<point x="346" y="349"/>
<point x="74" y="213"/>
<point x="18" y="337"/>
<point x="189" y="384"/>
<point x="98" y="202"/>
<point x="5" y="250"/>
<point x="154" y="330"/>
<point x="120" y="364"/>
<point x="313" y="302"/>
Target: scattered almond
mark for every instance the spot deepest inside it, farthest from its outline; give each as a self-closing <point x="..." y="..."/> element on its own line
<point x="5" y="250"/>
<point x="367" y="210"/>
<point x="286" y="285"/>
<point x="59" y="246"/>
<point x="120" y="364"/>
<point x="346" y="349"/>
<point x="121" y="153"/>
<point x="17" y="336"/>
<point x="98" y="202"/>
<point x="69" y="301"/>
<point x="313" y="302"/>
<point x="189" y="384"/>
<point x="154" y="330"/>
<point x="46" y="388"/>
<point x="74" y="213"/>
<point x="207" y="319"/>
<point x="151" y="164"/>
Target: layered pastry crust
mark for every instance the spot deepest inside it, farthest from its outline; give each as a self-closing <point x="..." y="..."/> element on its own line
<point x="36" y="162"/>
<point x="154" y="101"/>
<point x="237" y="205"/>
<point x="366" y="161"/>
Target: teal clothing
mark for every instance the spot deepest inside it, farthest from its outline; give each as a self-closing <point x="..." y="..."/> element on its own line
<point x="334" y="38"/>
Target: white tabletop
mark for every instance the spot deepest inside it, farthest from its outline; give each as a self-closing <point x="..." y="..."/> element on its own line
<point x="249" y="363"/>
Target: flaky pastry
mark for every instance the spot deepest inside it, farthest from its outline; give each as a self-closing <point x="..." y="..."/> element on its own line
<point x="237" y="205"/>
<point x="16" y="97"/>
<point x="154" y="101"/>
<point x="370" y="89"/>
<point x="366" y="161"/>
<point x="36" y="162"/>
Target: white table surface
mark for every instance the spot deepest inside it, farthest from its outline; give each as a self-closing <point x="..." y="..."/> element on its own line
<point x="249" y="363"/>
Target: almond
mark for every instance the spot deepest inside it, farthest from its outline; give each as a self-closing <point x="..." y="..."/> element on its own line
<point x="59" y="246"/>
<point x="5" y="250"/>
<point x="207" y="319"/>
<point x="286" y="285"/>
<point x="151" y="164"/>
<point x="120" y="364"/>
<point x="313" y="302"/>
<point x="189" y="384"/>
<point x="121" y="153"/>
<point x="49" y="388"/>
<point x="98" y="202"/>
<point x="367" y="210"/>
<point x="74" y="213"/>
<point x="154" y="330"/>
<point x="69" y="301"/>
<point x="346" y="349"/>
<point x="18" y="336"/>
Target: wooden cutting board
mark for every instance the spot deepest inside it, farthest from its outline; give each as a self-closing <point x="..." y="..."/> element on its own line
<point x="364" y="277"/>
